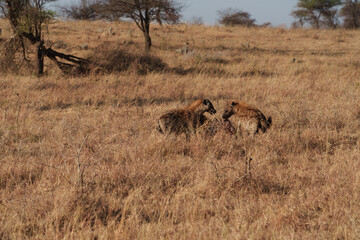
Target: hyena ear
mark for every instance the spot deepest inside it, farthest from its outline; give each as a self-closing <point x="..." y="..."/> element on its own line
<point x="233" y="103"/>
<point x="206" y="101"/>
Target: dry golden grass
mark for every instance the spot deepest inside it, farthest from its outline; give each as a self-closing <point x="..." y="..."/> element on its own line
<point x="132" y="183"/>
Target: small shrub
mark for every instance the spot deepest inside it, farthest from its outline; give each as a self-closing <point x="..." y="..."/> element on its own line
<point x="147" y="63"/>
<point x="110" y="58"/>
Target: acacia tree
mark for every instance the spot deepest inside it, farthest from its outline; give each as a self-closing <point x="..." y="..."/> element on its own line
<point x="317" y="11"/>
<point x="232" y="16"/>
<point x="28" y="19"/>
<point x="351" y="14"/>
<point x="143" y="12"/>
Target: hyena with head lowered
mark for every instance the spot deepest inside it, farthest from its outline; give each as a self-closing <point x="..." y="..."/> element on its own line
<point x="249" y="119"/>
<point x="185" y="120"/>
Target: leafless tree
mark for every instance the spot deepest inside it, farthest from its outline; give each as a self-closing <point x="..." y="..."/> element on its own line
<point x="232" y="16"/>
<point x="85" y="10"/>
<point x="28" y="19"/>
<point x="143" y="12"/>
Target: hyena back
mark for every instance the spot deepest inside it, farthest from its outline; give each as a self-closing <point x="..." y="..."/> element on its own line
<point x="249" y="119"/>
<point x="185" y="120"/>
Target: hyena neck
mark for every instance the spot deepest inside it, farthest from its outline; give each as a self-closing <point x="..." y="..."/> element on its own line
<point x="196" y="107"/>
<point x="199" y="112"/>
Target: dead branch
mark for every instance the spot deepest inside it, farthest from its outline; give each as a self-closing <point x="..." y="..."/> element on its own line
<point x="79" y="63"/>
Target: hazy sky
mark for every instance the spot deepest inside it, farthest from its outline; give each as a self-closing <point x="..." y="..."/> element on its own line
<point x="275" y="11"/>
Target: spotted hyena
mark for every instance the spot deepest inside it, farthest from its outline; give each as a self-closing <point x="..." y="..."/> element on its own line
<point x="185" y="120"/>
<point x="247" y="119"/>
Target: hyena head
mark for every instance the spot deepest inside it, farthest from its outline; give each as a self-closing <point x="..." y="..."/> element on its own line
<point x="209" y="106"/>
<point x="202" y="105"/>
<point x="229" y="109"/>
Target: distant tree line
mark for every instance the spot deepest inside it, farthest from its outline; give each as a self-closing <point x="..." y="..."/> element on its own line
<point x="314" y="13"/>
<point x="327" y="13"/>
<point x="161" y="11"/>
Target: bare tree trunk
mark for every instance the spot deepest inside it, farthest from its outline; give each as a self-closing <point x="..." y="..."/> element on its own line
<point x="317" y="22"/>
<point x="315" y="19"/>
<point x="158" y="18"/>
<point x="146" y="22"/>
<point x="147" y="41"/>
<point x="39" y="52"/>
<point x="355" y="14"/>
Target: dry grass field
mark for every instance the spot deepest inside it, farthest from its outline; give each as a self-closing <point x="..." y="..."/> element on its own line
<point x="80" y="157"/>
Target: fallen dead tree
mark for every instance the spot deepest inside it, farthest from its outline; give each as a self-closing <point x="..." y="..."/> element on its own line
<point x="76" y="65"/>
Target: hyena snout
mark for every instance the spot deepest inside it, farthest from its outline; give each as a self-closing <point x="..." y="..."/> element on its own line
<point x="226" y="115"/>
<point x="212" y="111"/>
<point x="229" y="110"/>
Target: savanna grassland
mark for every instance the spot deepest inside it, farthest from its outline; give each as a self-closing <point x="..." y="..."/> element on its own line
<point x="80" y="157"/>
